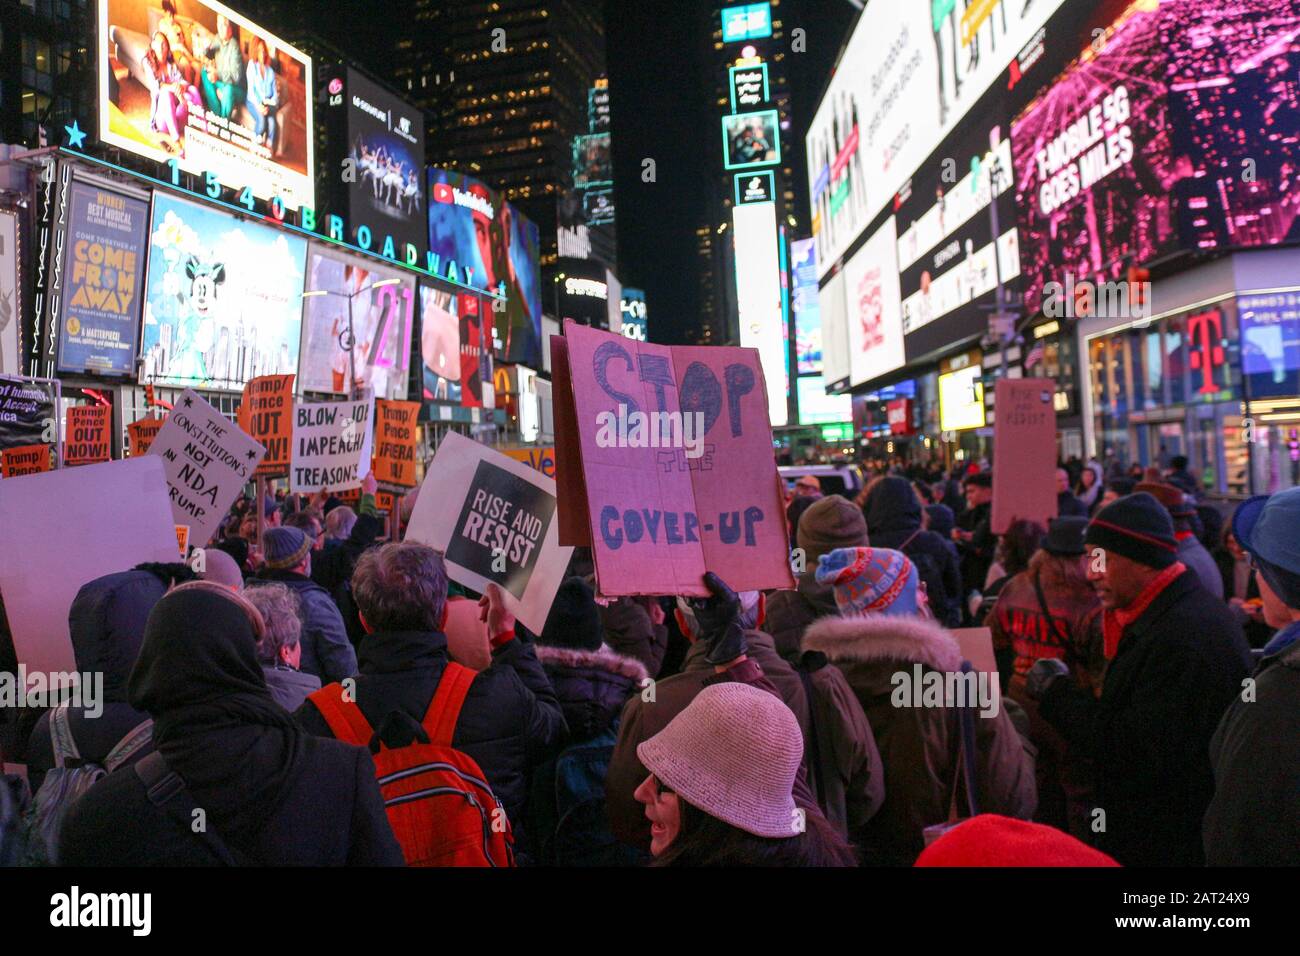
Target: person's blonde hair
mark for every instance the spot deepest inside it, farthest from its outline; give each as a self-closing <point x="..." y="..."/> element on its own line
<point x="255" y="619"/>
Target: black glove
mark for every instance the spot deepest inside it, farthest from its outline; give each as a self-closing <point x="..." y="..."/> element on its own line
<point x="1043" y="675"/>
<point x="719" y="620"/>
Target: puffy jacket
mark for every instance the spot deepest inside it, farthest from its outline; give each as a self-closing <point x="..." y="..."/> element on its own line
<point x="326" y="651"/>
<point x="920" y="746"/>
<point x="893" y="514"/>
<point x="566" y="809"/>
<point x="510" y="721"/>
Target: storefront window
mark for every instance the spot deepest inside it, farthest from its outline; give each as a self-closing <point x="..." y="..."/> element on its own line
<point x="1175" y="368"/>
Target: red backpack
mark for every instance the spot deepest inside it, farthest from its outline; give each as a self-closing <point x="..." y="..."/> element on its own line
<point x="439" y="804"/>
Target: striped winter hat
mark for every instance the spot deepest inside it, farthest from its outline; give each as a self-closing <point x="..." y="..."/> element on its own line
<point x="1138" y="527"/>
<point x="870" y="581"/>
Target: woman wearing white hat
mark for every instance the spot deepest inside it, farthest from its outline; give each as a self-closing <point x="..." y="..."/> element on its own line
<point x="720" y="790"/>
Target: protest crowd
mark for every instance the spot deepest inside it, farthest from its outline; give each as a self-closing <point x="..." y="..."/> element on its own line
<point x="324" y="694"/>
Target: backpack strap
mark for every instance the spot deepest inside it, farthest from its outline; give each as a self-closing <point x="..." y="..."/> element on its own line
<point x="444" y="709"/>
<point x="65" y="748"/>
<point x="344" y="717"/>
<point x="129" y="746"/>
<point x="167" y="791"/>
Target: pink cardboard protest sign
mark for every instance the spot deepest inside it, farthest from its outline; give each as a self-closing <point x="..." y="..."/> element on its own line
<point x="676" y="465"/>
<point x="1024" y="452"/>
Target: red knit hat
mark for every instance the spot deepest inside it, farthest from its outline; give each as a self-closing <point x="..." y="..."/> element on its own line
<point x="993" y="840"/>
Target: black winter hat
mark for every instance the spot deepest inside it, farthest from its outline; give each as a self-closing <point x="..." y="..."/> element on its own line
<point x="574" y="621"/>
<point x="1064" y="536"/>
<point x="1137" y="527"/>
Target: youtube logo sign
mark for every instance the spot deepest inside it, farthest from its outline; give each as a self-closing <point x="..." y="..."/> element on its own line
<point x="442" y="192"/>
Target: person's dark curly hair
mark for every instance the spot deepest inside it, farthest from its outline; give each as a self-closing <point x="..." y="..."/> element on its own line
<point x="1018" y="545"/>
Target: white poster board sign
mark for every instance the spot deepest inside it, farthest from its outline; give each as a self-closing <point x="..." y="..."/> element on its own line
<point x="494" y="520"/>
<point x="331" y="445"/>
<point x="207" y="460"/>
<point x="62" y="529"/>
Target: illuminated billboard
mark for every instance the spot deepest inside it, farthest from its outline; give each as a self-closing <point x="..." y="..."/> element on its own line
<point x="440" y="345"/>
<point x="351" y="299"/>
<point x="99" y="313"/>
<point x="379" y="139"/>
<point x="478" y="239"/>
<point x="593" y="162"/>
<point x="835" y="331"/>
<point x="749" y="21"/>
<point x="804" y="305"/>
<point x="751" y="139"/>
<point x="909" y="74"/>
<point x="749" y="87"/>
<point x="634" y="314"/>
<point x="223" y="298"/>
<point x="758" y="299"/>
<point x="961" y="400"/>
<point x="816" y="407"/>
<point x="875" y="317"/>
<point x="1176" y="134"/>
<point x="197" y="83"/>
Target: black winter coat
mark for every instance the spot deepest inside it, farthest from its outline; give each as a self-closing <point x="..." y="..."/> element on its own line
<point x="510" y="722"/>
<point x="106" y="621"/>
<point x="893" y="515"/>
<point x="1176" y="670"/>
<point x="1254" y="819"/>
<point x="331" y="815"/>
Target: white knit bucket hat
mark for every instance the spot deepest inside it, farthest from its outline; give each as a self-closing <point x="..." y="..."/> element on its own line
<point x="732" y="753"/>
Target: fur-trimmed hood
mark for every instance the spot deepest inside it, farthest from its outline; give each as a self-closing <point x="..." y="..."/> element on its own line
<point x="880" y="637"/>
<point x="591" y="686"/>
<point x="602" y="659"/>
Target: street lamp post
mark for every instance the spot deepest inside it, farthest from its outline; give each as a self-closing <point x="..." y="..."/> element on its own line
<point x="350" y="348"/>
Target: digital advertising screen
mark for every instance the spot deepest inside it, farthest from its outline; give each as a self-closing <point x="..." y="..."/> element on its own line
<point x="635" y="325"/>
<point x="1180" y="133"/>
<point x="10" y="350"/>
<point x="482" y="241"/>
<point x="758" y="300"/>
<point x="593" y="162"/>
<point x="748" y="21"/>
<point x="383" y="137"/>
<point x="351" y="299"/>
<point x="908" y="75"/>
<point x="835" y="331"/>
<point x="875" y="317"/>
<point x="202" y="85"/>
<point x="948" y="265"/>
<point x="961" y="399"/>
<point x="223" y="298"/>
<point x="751" y="139"/>
<point x="803" y="302"/>
<point x="583" y="293"/>
<point x="816" y="407"/>
<point x="104" y="256"/>
<point x="440" y="345"/>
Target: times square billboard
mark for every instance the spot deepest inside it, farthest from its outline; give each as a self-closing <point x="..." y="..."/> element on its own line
<point x="1120" y="132"/>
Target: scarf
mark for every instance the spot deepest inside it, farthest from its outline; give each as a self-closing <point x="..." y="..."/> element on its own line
<point x="1114" y="622"/>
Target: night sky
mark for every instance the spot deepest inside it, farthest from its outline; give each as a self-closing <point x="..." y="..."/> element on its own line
<point x="660" y="91"/>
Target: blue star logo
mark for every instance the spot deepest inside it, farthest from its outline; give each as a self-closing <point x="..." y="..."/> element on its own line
<point x="76" y="136"/>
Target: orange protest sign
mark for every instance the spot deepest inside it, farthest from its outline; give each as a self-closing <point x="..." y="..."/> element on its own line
<point x="266" y="415"/>
<point x="394" y="461"/>
<point x="141" y="434"/>
<point x="183" y="538"/>
<point x="24" y="460"/>
<point x="87" y="440"/>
